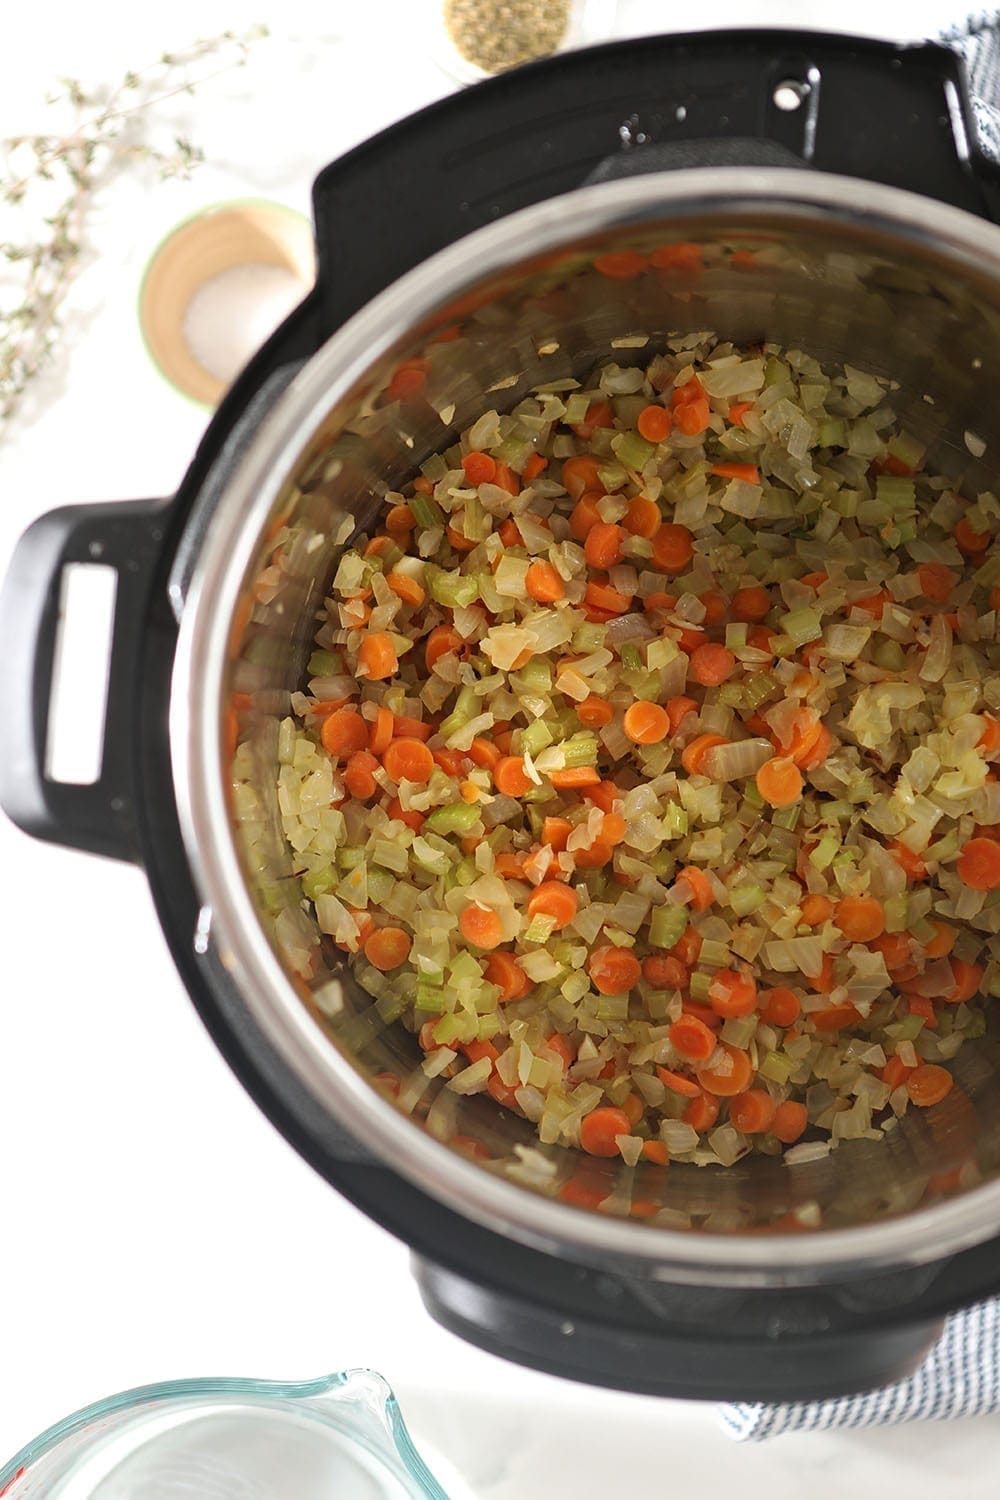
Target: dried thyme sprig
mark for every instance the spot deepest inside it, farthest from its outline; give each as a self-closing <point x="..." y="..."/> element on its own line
<point x="47" y="184"/>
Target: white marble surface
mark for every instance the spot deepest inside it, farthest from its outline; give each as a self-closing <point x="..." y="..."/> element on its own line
<point x="154" y="1224"/>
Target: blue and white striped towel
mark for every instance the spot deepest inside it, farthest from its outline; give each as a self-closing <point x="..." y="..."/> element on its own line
<point x="959" y="1378"/>
<point x="961" y="1375"/>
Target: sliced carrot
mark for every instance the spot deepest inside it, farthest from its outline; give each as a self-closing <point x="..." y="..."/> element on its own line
<point x="780" y="1006"/>
<point x="509" y="865"/>
<point x="510" y="777"/>
<point x="642" y="517"/>
<point x="410" y="816"/>
<point x="377" y="657"/>
<point x="822" y="982"/>
<point x="613" y="828"/>
<point x="657" y="601"/>
<point x="584" y="514"/>
<point x="654" y="423"/>
<point x="343" y="732"/>
<point x="673" y="548"/>
<point x="543" y="583"/>
<point x="749" y="473"/>
<point x="406" y="588"/>
<point x="381" y="731"/>
<point x="730" y="1080"/>
<point x="941" y="944"/>
<point x="422" y="485"/>
<point x="603" y="596"/>
<point x="693" y="755"/>
<point x="459" y="540"/>
<point x="399" y="519"/>
<point x="816" y="910"/>
<point x="860" y="918"/>
<point x="753" y="1112"/>
<point x="692" y="1039"/>
<point x="480" y="925"/>
<point x="580" y="474"/>
<point x="408" y="760"/>
<point x="978" y="864"/>
<point x="968" y="978"/>
<point x="409" y="378"/>
<point x="692" y="417"/>
<point x="779" y="781"/>
<point x="604" y="794"/>
<point x="665" y="972"/>
<point x="677" y="1083"/>
<point x="620" y="265"/>
<point x="563" y="1048"/>
<point x="912" y="865"/>
<point x="699" y="885"/>
<point x="599" y="1129"/>
<point x="483" y="754"/>
<point x="682" y="257"/>
<point x="923" y="1006"/>
<point x="387" y="947"/>
<point x="575" y="776"/>
<point x="646" y="723"/>
<point x="712" y="664"/>
<point x="937" y="581"/>
<point x="928" y="1084"/>
<point x="732" y="993"/>
<point x="989" y="741"/>
<point x="377" y="546"/>
<point x="479" y="468"/>
<point x="358" y="777"/>
<point x="969" y="540"/>
<point x="594" y="712"/>
<point x="551" y="899"/>
<point x="507" y="479"/>
<point x="452" y="762"/>
<point x="738" y="411"/>
<point x="599" y="854"/>
<point x="895" y="950"/>
<point x="834" y="1017"/>
<point x="702" y="1112"/>
<point x="555" y="832"/>
<point x="790" y="1121"/>
<point x="441" y="640"/>
<point x="678" y="710"/>
<point x="814" y="754"/>
<point x="536" y="465"/>
<point x="503" y="970"/>
<point x="603" y="546"/>
<point x="613" y="971"/>
<point x="895" y="1072"/>
<point x="656" y="1152"/>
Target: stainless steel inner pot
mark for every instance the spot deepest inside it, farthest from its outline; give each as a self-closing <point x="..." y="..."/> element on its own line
<point x="846" y="270"/>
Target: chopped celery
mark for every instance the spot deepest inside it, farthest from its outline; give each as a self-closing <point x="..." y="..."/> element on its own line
<point x="632" y="450"/>
<point x="802" y="626"/>
<point x="897" y="913"/>
<point x="536" y="737"/>
<point x="630" y="658"/>
<point x="426" y="512"/>
<point x="456" y="590"/>
<point x="318" y="882"/>
<point x="667" y="925"/>
<point x="581" y="750"/>
<point x="787" y="817"/>
<point x="535" y="677"/>
<point x="325" y="664"/>
<point x="455" y="817"/>
<point x="824" y="852"/>
<point x="746" y="898"/>
<point x="777" y="1067"/>
<point x="700" y="985"/>
<point x="539" y="929"/>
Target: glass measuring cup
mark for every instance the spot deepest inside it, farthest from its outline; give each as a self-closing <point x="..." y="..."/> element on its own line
<point x="339" y="1436"/>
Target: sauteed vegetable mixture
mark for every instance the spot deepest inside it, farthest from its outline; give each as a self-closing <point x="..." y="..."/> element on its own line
<point x="646" y="767"/>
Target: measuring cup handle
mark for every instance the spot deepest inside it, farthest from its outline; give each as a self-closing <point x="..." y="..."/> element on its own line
<point x="126" y="536"/>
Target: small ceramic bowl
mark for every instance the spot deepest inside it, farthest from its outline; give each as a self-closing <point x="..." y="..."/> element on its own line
<point x="217" y="239"/>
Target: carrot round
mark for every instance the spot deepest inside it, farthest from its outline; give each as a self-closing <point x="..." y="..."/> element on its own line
<point x="358" y="775"/>
<point x="816" y="910"/>
<point x="480" y="925"/>
<point x="732" y="993"/>
<point x="343" y="732"/>
<point x="581" y="474"/>
<point x="603" y="546"/>
<point x="654" y="423"/>
<point x="673" y="548"/>
<point x="552" y="899"/>
<point x="780" y="1006"/>
<point x="728" y="1080"/>
<point x="381" y="731"/>
<point x="692" y="1039"/>
<point x="620" y="265"/>
<point x="967" y="980"/>
<point x="556" y="832"/>
<point x="399" y="520"/>
<point x="613" y="971"/>
<point x="387" y="947"/>
<point x="712" y="664"/>
<point x="753" y="1112"/>
<point x="749" y="473"/>
<point x="543" y="583"/>
<point x="698" y="883"/>
<point x="702" y="1112"/>
<point x="692" y="417"/>
<point x="510" y="777"/>
<point x="503" y="970"/>
<point x="751" y="604"/>
<point x="678" y="1083"/>
<point x="969" y="540"/>
<point x="860" y="918"/>
<point x="408" y="760"/>
<point x="442" y="639"/>
<point x="599" y="853"/>
<point x="575" y="776"/>
<point x="599" y="1129"/>
<point x="941" y="944"/>
<point x="937" y="581"/>
<point x="584" y="514"/>
<point x="693" y="755"/>
<point x="928" y="1084"/>
<point x="594" y="712"/>
<point x="479" y="468"/>
<point x="912" y="865"/>
<point x="790" y="1121"/>
<point x="604" y="596"/>
<point x="646" y="723"/>
<point x="410" y="816"/>
<point x="655" y="1151"/>
<point x="978" y="864"/>
<point x="665" y="972"/>
<point x="377" y="657"/>
<point x="642" y="517"/>
<point x="678" y="710"/>
<point x="779" y="781"/>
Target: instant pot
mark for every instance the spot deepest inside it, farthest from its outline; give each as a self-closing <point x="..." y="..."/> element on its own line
<point x="464" y="238"/>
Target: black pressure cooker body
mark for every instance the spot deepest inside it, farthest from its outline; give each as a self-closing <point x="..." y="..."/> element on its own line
<point x="860" y="109"/>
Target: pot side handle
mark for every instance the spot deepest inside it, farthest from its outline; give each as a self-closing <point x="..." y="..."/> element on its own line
<point x="97" y="815"/>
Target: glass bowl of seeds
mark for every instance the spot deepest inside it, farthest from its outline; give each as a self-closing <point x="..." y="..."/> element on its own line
<point x="479" y="38"/>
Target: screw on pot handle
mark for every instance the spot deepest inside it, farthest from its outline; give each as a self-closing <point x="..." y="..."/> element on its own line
<point x="74" y="571"/>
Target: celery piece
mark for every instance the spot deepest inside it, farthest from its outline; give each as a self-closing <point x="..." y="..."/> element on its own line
<point x="536" y="737"/>
<point x="888" y="654"/>
<point x="801" y="626"/>
<point x="897" y="913"/>
<point x="666" y="925"/>
<point x="456" y="590"/>
<point x="630" y="658"/>
<point x="515" y="451"/>
<point x="661" y="652"/>
<point x="380" y="884"/>
<point x="454" y="817"/>
<point x="832" y="433"/>
<point x="824" y="852"/>
<point x="612" y="1008"/>
<point x="783" y="645"/>
<point x="674" y="823"/>
<point x="457" y="1026"/>
<point x="632" y="450"/>
<point x="907" y="449"/>
<point x="786" y="817"/>
<point x="730" y="694"/>
<point x="700" y="985"/>
<point x="539" y="929"/>
<point x="429" y="997"/>
<point x="534" y="678"/>
<point x="895" y="491"/>
<point x="906" y="1030"/>
<point x="477" y="523"/>
<point x="350" y="859"/>
<point x="587" y="638"/>
<point x="611" y="476"/>
<point x="324" y="664"/>
<point x="713" y="953"/>
<point x="776" y="371"/>
<point x="752" y="795"/>
<point x="390" y="1007"/>
<point x="577" y="406"/>
<point x="581" y="750"/>
<point x="746" y="898"/>
<point x="426" y="512"/>
<point x="390" y="855"/>
<point x="318" y="882"/>
<point x="434" y="468"/>
<point x="466" y="872"/>
<point x="736" y="635"/>
<point x="777" y="1067"/>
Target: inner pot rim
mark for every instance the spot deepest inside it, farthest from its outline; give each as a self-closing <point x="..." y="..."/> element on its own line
<point x="801" y="199"/>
